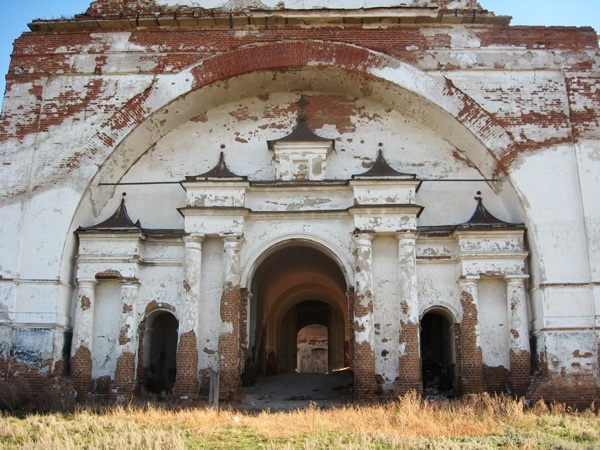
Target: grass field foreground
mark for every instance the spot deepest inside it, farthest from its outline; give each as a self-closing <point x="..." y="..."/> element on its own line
<point x="481" y="421"/>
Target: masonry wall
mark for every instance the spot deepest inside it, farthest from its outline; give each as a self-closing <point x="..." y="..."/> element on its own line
<point x="150" y="104"/>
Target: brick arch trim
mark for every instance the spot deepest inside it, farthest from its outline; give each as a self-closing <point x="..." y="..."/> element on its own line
<point x="445" y="309"/>
<point x="155" y="306"/>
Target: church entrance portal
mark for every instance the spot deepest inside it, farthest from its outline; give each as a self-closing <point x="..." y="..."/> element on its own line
<point x="299" y="313"/>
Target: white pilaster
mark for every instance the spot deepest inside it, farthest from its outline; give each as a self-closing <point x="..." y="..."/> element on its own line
<point x="517" y="313"/>
<point x="231" y="260"/>
<point x="407" y="262"/>
<point x="363" y="305"/>
<point x="128" y="334"/>
<point x="83" y="328"/>
<point x="192" y="267"/>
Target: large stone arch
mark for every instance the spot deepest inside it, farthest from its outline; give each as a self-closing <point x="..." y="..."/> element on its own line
<point x="170" y="100"/>
<point x="485" y="142"/>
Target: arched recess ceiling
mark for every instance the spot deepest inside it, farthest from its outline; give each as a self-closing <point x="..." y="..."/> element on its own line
<point x="295" y="274"/>
<point x="297" y="66"/>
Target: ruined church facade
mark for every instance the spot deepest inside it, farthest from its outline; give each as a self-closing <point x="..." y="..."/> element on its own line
<point x="243" y="189"/>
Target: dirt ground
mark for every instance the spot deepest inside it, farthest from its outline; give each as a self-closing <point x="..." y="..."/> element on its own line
<point x="291" y="391"/>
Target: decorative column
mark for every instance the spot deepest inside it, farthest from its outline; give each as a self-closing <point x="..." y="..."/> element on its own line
<point x="186" y="383"/>
<point x="520" y="351"/>
<point x="363" y="356"/>
<point x="410" y="351"/>
<point x="472" y="355"/>
<point x="124" y="384"/>
<point x="230" y="351"/>
<point x="83" y="331"/>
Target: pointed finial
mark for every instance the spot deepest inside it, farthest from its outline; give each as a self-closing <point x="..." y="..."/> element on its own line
<point x="478" y="197"/>
<point x="302" y="104"/>
<point x="221" y="164"/>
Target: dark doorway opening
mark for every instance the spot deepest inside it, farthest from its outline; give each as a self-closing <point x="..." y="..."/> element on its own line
<point x="294" y="287"/>
<point x="437" y="354"/>
<point x="161" y="352"/>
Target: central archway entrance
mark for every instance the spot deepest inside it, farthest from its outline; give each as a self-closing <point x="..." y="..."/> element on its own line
<point x="296" y="291"/>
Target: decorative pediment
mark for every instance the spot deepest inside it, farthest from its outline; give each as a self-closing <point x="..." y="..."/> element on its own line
<point x="220" y="171"/>
<point x="382" y="170"/>
<point x="119" y="221"/>
<point x="301" y="155"/>
<point x="482" y="218"/>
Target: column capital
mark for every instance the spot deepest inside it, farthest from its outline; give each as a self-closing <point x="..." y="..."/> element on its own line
<point x="407" y="235"/>
<point x="90" y="281"/>
<point x="194" y="238"/>
<point x="517" y="278"/>
<point x="363" y="236"/>
<point x="234" y="239"/>
<point x="130" y="282"/>
<point x="468" y="280"/>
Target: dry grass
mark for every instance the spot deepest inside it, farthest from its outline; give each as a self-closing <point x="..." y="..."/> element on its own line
<point x="481" y="421"/>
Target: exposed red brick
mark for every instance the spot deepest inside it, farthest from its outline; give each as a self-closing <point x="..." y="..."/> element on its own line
<point x="230" y="355"/>
<point x="124" y="384"/>
<point x="471" y="353"/>
<point x="411" y="378"/>
<point x="186" y="383"/>
<point x="81" y="371"/>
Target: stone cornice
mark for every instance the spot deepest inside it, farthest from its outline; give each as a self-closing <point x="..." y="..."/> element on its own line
<point x="203" y="18"/>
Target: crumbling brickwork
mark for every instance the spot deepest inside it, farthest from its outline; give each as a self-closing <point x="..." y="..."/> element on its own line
<point x="81" y="371"/>
<point x="410" y="361"/>
<point x="124" y="385"/>
<point x="363" y="363"/>
<point x="472" y="366"/>
<point x="186" y="383"/>
<point x="520" y="372"/>
<point x="230" y="356"/>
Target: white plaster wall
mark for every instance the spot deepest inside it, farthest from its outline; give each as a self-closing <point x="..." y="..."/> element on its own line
<point x="210" y="306"/>
<point x="163" y="284"/>
<point x="588" y="158"/>
<point x="387" y="309"/>
<point x="437" y="284"/>
<point x="298" y="199"/>
<point x="567" y="306"/>
<point x="107" y="318"/>
<point x="570" y="352"/>
<point x="517" y="97"/>
<point x="494" y="328"/>
<point x="163" y="251"/>
<point x="10" y="225"/>
<point x="48" y="216"/>
<point x="7" y="297"/>
<point x="29" y="309"/>
<point x="553" y="205"/>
